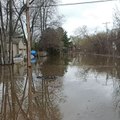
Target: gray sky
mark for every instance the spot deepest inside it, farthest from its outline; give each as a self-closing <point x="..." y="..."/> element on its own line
<point x="92" y="15"/>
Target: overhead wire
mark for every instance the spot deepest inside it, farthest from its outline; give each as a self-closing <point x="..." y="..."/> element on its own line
<point x="70" y="4"/>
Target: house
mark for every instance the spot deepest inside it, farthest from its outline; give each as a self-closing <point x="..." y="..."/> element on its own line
<point x="22" y="49"/>
<point x="19" y="46"/>
<point x="15" y="47"/>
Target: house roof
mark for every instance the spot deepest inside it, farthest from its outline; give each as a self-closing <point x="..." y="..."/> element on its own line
<point x="15" y="39"/>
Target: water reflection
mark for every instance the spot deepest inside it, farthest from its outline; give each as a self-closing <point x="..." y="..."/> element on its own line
<point x="41" y="97"/>
<point x="105" y="70"/>
<point x="99" y="64"/>
<point x="25" y="99"/>
<point x="55" y="66"/>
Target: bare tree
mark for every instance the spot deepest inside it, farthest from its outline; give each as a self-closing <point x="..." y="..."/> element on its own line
<point x="4" y="57"/>
<point x="46" y="16"/>
<point x="13" y="22"/>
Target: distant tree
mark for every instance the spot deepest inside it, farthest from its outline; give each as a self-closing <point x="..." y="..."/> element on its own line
<point x="94" y="43"/>
<point x="56" y="39"/>
<point x="75" y="40"/>
<point x="116" y="18"/>
<point x="66" y="40"/>
<point x="82" y="32"/>
<point x="63" y="37"/>
<point x="60" y="34"/>
<point x="35" y="45"/>
<point x="49" y="41"/>
<point x="116" y="23"/>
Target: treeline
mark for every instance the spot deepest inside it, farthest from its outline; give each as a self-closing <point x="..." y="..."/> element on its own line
<point x="107" y="43"/>
<point x="53" y="41"/>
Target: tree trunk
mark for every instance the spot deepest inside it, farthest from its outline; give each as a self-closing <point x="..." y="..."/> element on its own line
<point x="10" y="34"/>
<point x="3" y="37"/>
<point x="2" y="53"/>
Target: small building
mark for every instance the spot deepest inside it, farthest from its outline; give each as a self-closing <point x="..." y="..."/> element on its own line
<point x="19" y="46"/>
<point x="22" y="48"/>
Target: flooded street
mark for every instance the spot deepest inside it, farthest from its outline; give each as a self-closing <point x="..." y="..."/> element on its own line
<point x="75" y="87"/>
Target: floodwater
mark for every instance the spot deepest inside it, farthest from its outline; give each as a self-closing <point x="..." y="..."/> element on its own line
<point x="74" y="87"/>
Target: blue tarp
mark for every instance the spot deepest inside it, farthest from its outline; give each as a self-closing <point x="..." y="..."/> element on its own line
<point x="33" y="60"/>
<point x="33" y="52"/>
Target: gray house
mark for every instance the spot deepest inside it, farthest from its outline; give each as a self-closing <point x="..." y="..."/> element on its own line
<point x="19" y="47"/>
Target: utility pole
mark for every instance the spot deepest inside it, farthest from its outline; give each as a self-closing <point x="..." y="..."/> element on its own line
<point x="28" y="35"/>
<point x="29" y="68"/>
<point x="106" y="26"/>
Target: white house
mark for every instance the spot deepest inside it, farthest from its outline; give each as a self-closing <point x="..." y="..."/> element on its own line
<point x="19" y="46"/>
<point x="22" y="49"/>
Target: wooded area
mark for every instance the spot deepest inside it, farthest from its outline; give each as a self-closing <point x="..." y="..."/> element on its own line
<point x="13" y="23"/>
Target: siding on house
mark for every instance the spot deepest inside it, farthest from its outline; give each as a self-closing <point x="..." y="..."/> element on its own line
<point x="18" y="46"/>
<point x="15" y="49"/>
<point x="22" y="48"/>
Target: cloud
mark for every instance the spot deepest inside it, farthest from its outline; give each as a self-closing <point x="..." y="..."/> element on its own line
<point x="92" y="15"/>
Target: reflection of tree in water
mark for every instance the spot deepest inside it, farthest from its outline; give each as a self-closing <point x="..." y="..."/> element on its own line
<point x="98" y="65"/>
<point x="116" y="95"/>
<point x="55" y="66"/>
<point x="23" y="99"/>
<point x="47" y="98"/>
<point x="83" y="73"/>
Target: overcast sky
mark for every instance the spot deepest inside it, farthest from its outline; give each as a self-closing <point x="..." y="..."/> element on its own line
<point x="92" y="15"/>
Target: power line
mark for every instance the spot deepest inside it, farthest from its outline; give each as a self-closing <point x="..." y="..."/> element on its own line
<point x="69" y="4"/>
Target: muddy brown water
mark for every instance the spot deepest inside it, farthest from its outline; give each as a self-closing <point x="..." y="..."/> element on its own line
<point x="74" y="87"/>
